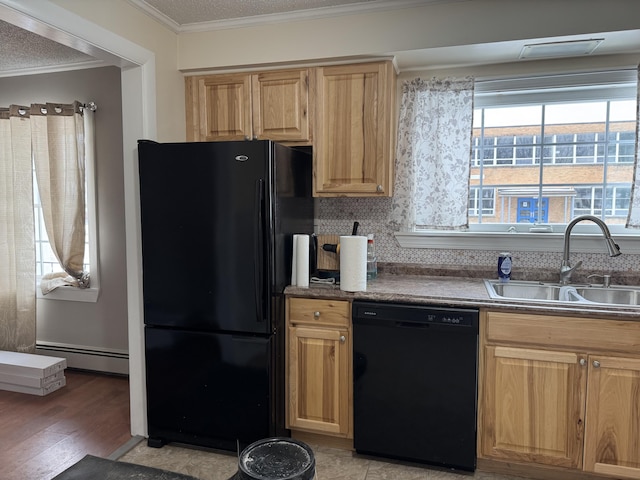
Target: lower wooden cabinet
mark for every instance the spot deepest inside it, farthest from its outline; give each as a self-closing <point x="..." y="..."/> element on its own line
<point x="534" y="404"/>
<point x="561" y="392"/>
<point x="319" y="380"/>
<point x="612" y="438"/>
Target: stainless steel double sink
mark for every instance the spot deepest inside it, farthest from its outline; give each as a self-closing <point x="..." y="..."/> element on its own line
<point x="554" y="292"/>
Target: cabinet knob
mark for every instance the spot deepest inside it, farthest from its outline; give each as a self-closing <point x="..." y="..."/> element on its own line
<point x="316" y="314"/>
<point x="247" y="137"/>
<point x="596" y="363"/>
<point x="583" y="362"/>
<point x="343" y="339"/>
<point x="379" y="189"/>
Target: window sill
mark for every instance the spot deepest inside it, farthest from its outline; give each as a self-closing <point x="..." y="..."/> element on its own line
<point x="70" y="294"/>
<point x="516" y="241"/>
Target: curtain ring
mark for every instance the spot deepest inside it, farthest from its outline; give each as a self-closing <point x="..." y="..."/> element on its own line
<point x="22" y="111"/>
<point x="43" y="110"/>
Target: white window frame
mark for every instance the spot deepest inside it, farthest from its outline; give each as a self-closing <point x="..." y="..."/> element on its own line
<point x="91" y="294"/>
<point x="586" y="236"/>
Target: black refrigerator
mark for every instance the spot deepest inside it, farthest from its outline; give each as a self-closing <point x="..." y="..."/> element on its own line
<point x="217" y="225"/>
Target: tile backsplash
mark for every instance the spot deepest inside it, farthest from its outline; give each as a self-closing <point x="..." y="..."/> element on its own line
<point x="336" y="216"/>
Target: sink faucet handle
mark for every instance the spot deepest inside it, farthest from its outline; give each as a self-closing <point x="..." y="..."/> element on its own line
<point x="575" y="267"/>
<point x="606" y="279"/>
<point x="566" y="270"/>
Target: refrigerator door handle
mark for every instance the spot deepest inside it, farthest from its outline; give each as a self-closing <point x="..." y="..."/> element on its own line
<point x="258" y="227"/>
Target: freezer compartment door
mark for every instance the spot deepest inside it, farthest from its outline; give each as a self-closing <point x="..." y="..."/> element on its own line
<point x="207" y="389"/>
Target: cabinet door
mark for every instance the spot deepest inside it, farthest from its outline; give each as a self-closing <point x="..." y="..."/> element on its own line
<point x="353" y="145"/>
<point x="219" y="107"/>
<point x="533" y="406"/>
<point x="281" y="105"/>
<point x="612" y="443"/>
<point x="319" y="380"/>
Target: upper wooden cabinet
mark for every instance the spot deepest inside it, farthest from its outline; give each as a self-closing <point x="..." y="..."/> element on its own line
<point x="346" y="112"/>
<point x="270" y="105"/>
<point x="354" y="139"/>
<point x="281" y="104"/>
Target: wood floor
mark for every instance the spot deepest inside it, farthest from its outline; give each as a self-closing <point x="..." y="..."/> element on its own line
<point x="42" y="436"/>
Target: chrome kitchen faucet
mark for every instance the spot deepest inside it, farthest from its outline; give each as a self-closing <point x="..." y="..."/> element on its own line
<point x="566" y="269"/>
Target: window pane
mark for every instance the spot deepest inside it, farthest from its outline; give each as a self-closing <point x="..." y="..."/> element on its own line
<point x="572" y="176"/>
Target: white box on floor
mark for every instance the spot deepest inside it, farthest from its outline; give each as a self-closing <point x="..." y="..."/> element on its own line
<point x="31" y="365"/>
<point x="29" y="381"/>
<point x="41" y="391"/>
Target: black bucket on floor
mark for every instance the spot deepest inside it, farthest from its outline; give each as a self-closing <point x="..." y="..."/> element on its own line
<point x="276" y="458"/>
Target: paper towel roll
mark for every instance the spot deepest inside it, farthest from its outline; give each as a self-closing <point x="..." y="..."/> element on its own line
<point x="294" y="256"/>
<point x="302" y="260"/>
<point x="353" y="263"/>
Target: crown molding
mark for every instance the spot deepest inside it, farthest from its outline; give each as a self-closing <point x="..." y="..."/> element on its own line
<point x="275" y="18"/>
<point x="53" y="68"/>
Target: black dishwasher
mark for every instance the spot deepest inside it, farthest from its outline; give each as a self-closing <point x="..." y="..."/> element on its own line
<point x="415" y="383"/>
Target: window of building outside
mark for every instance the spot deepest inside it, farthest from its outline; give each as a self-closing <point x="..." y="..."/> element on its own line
<point x="544" y="151"/>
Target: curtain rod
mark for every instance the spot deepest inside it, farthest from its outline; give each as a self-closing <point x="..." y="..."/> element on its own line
<point x="91" y="106"/>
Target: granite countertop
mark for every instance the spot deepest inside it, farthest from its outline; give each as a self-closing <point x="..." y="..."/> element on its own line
<point x="442" y="290"/>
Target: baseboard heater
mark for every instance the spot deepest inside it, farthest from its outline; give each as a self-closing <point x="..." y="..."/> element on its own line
<point x="106" y="360"/>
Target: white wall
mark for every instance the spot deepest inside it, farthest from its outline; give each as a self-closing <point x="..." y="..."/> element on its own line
<point x="121" y="18"/>
<point x="404" y="29"/>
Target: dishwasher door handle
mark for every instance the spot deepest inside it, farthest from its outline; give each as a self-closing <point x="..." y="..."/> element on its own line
<point x="412" y="324"/>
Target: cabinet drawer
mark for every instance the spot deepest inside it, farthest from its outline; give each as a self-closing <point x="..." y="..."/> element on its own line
<point x="592" y="334"/>
<point x="319" y="312"/>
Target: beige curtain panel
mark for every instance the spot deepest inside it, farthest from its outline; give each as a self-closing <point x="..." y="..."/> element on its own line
<point x="57" y="137"/>
<point x="51" y="138"/>
<point x="17" y="253"/>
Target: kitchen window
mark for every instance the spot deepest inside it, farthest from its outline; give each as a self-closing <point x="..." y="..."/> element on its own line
<point x="544" y="151"/>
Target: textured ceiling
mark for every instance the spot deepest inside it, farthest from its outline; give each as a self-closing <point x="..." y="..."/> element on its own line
<point x="21" y="50"/>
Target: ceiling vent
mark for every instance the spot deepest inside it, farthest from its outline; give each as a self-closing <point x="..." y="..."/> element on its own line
<point x="573" y="48"/>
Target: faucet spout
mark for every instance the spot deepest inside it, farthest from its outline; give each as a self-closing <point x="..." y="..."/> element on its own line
<point x="612" y="248"/>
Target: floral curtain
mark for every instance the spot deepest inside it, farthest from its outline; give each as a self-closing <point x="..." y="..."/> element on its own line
<point x="633" y="218"/>
<point x="17" y="253"/>
<point x="59" y="156"/>
<point x="433" y="154"/>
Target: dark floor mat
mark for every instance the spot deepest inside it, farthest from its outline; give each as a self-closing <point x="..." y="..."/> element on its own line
<point x="96" y="468"/>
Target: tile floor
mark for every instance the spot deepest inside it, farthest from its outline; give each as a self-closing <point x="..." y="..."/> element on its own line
<point x="331" y="464"/>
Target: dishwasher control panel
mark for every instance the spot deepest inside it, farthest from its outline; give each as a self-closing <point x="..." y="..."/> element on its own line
<point x="417" y="314"/>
